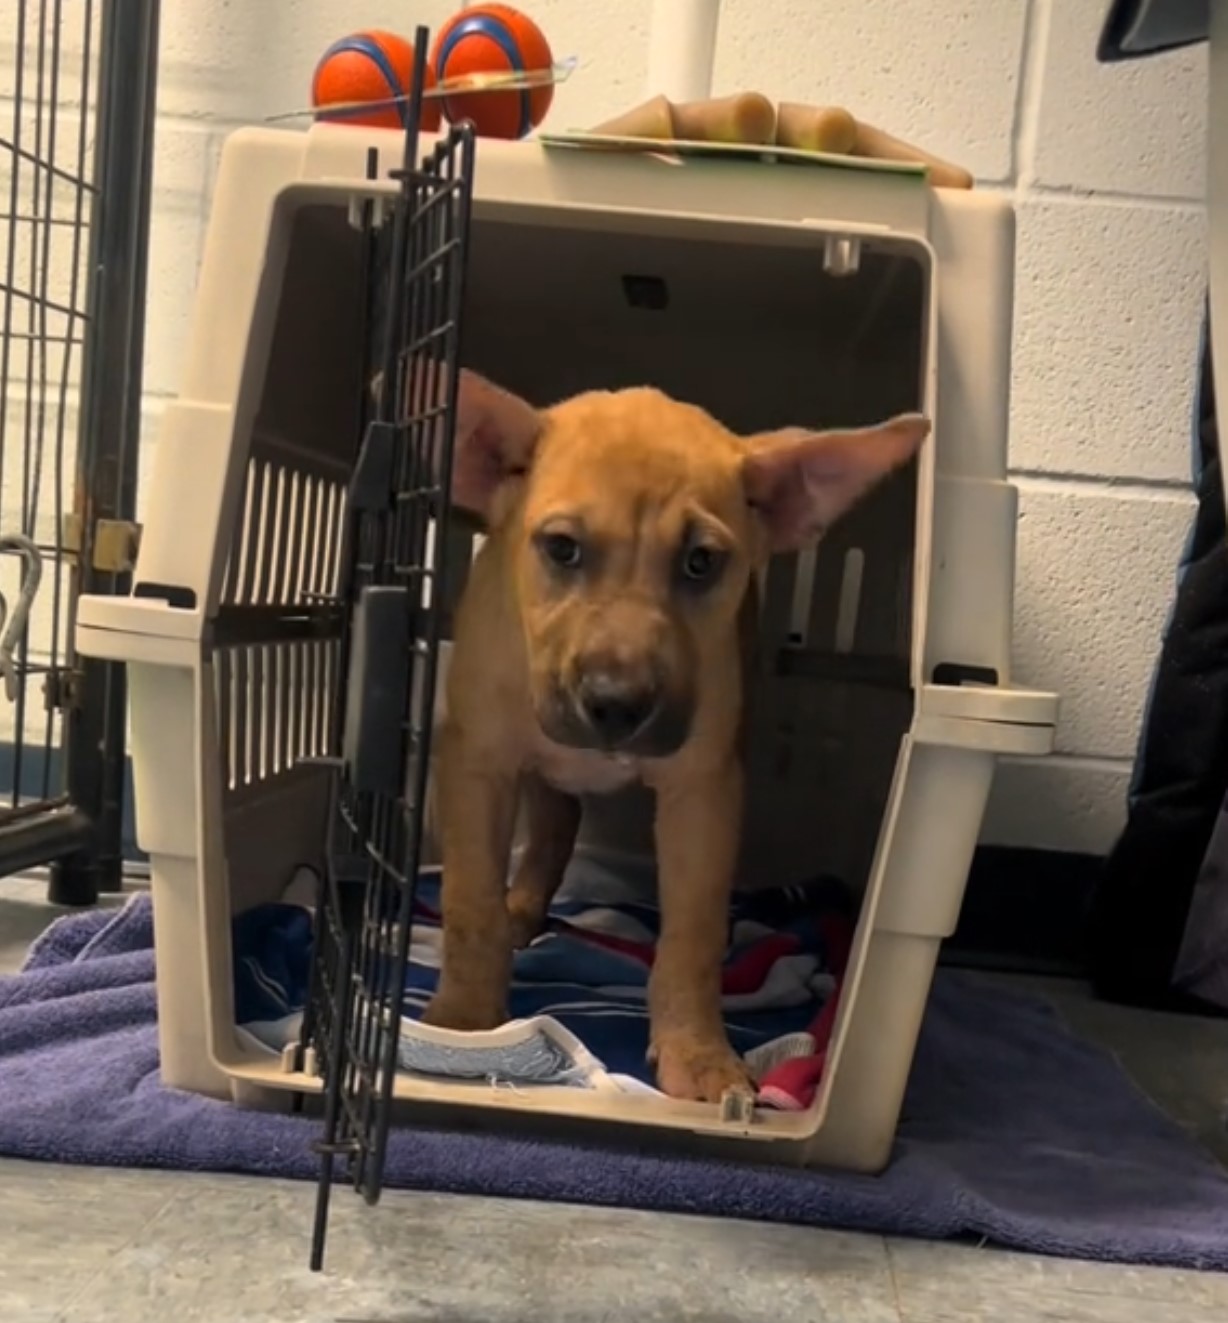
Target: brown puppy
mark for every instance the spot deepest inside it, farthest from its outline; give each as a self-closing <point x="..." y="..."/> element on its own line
<point x="600" y="639"/>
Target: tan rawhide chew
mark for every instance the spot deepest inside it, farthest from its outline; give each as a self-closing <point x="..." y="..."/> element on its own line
<point x="650" y="119"/>
<point x="880" y="146"/>
<point x="747" y="118"/>
<point x="744" y="118"/>
<point x="750" y="119"/>
<point x="602" y="640"/>
<point x="816" y="128"/>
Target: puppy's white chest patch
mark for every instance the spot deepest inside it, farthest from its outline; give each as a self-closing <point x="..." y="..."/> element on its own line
<point x="582" y="771"/>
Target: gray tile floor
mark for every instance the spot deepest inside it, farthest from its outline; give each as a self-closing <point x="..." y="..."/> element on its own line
<point x="83" y="1246"/>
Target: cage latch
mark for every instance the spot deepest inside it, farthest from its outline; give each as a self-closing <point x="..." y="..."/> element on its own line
<point x="116" y="542"/>
<point x="62" y="689"/>
<point x="376" y="686"/>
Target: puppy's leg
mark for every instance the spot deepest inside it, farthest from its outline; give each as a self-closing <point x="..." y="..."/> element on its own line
<point x="698" y="826"/>
<point x="477" y="812"/>
<point x="551" y="820"/>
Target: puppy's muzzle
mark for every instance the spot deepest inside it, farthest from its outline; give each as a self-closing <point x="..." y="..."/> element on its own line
<point x="615" y="709"/>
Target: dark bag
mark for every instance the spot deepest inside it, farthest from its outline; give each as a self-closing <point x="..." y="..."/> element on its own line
<point x="1142" y="905"/>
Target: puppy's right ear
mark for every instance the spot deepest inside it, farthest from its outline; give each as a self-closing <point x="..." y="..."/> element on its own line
<point x="496" y="434"/>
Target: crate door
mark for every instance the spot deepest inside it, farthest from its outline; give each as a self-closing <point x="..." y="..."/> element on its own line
<point x="394" y="584"/>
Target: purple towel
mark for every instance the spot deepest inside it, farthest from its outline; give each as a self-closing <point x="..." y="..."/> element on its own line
<point x="1013" y="1129"/>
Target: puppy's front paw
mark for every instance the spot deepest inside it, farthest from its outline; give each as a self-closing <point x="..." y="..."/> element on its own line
<point x="700" y="1070"/>
<point x="467" y="1014"/>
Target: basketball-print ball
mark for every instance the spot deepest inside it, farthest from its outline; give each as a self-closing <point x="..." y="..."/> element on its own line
<point x="493" y="39"/>
<point x="370" y="66"/>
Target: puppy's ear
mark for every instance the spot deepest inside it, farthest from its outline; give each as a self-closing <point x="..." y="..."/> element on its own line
<point x="496" y="434"/>
<point x="801" y="482"/>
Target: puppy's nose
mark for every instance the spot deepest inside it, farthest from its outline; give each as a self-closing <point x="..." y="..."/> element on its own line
<point x="616" y="706"/>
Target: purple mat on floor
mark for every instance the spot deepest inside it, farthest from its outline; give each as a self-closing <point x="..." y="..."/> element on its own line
<point x="1013" y="1130"/>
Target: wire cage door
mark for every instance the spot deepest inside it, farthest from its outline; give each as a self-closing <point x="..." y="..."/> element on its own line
<point x="394" y="580"/>
<point x="75" y="165"/>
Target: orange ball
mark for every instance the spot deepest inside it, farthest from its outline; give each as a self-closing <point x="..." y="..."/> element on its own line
<point x="370" y="66"/>
<point x="494" y="39"/>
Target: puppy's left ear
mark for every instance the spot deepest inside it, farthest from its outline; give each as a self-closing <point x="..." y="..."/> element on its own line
<point x="801" y="482"/>
<point x="496" y="435"/>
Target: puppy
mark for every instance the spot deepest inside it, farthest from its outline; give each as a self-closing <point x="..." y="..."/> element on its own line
<point x="602" y="638"/>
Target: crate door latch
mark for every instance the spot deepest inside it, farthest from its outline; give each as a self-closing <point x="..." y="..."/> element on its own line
<point x="376" y="687"/>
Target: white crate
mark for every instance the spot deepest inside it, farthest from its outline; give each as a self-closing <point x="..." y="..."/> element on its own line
<point x="888" y="785"/>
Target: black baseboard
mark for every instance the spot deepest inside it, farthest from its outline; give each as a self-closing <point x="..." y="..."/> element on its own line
<point x="1025" y="911"/>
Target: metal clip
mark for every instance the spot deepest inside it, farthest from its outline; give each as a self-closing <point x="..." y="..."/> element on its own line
<point x="62" y="690"/>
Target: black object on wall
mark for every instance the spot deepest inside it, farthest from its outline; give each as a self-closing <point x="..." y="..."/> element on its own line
<point x="1134" y="29"/>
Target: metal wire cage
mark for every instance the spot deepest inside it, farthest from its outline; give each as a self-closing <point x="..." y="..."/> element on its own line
<point x="75" y="165"/>
<point x="394" y="581"/>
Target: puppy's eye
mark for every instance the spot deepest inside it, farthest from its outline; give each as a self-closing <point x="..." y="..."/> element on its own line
<point x="561" y="550"/>
<point x="701" y="565"/>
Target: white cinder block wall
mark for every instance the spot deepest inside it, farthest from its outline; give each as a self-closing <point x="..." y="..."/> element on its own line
<point x="1106" y="167"/>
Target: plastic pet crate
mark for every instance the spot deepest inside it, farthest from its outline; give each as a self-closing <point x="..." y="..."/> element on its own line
<point x="768" y="293"/>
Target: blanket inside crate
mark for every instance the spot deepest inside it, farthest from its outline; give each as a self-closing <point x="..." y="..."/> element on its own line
<point x="578" y="999"/>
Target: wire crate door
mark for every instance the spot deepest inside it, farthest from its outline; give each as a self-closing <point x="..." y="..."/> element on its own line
<point x="394" y="579"/>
